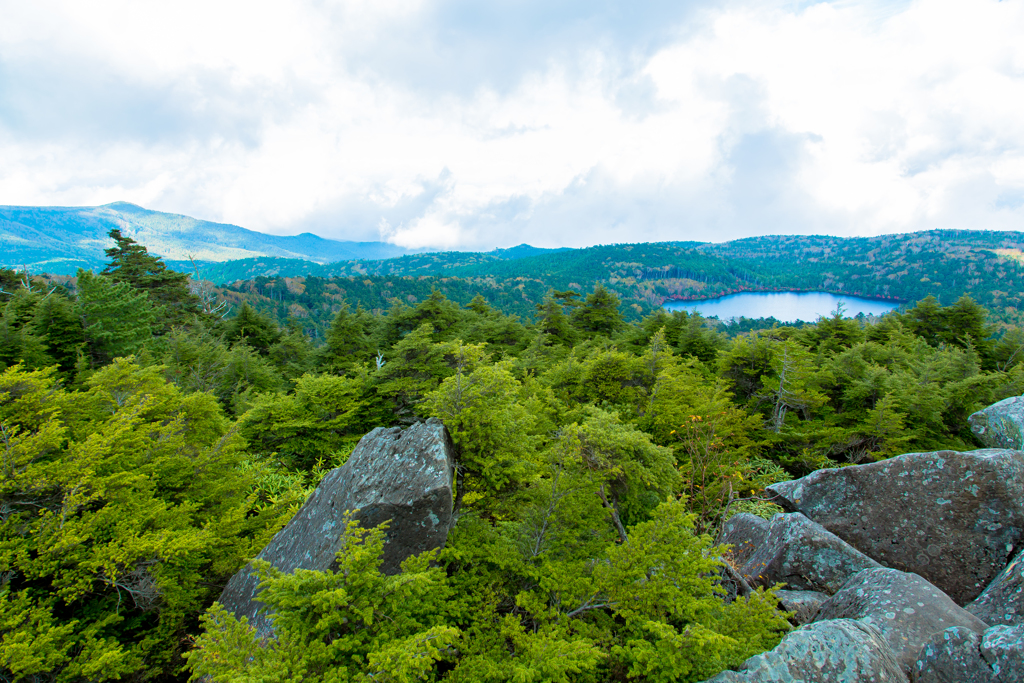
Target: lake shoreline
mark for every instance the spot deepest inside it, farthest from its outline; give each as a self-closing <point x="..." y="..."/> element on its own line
<point x="785" y="290"/>
<point x="783" y="305"/>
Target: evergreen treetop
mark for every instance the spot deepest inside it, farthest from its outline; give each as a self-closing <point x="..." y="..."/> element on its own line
<point x="132" y="263"/>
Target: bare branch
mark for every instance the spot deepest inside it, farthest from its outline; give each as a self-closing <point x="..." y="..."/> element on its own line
<point x="590" y="606"/>
<point x="615" y="515"/>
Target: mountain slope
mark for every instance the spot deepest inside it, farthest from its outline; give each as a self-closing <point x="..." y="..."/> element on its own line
<point x="60" y="239"/>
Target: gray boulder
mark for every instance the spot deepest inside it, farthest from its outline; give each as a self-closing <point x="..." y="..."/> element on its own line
<point x="954" y="518"/>
<point x="840" y="651"/>
<point x="1002" y="647"/>
<point x="803" y="555"/>
<point x="952" y="656"/>
<point x="905" y="608"/>
<point x="959" y="655"/>
<point x="1001" y="425"/>
<point x="1002" y="602"/>
<point x="745" y="533"/>
<point x="402" y="477"/>
<point x="804" y="604"/>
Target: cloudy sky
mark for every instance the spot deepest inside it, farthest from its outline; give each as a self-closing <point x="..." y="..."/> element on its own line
<point x="482" y="123"/>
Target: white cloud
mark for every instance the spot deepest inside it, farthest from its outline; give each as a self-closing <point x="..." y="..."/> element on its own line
<point x="459" y="124"/>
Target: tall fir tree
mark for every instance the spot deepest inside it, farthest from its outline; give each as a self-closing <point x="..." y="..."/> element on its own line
<point x="116" y="318"/>
<point x="60" y="330"/>
<point x="258" y="330"/>
<point x="347" y="345"/>
<point x="599" y="314"/>
<point x="552" y="320"/>
<point x="132" y="263"/>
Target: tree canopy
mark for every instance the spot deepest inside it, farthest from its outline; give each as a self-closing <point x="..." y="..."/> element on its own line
<point x="598" y="455"/>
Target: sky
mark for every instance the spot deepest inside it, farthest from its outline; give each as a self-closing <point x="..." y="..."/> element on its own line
<point x="454" y="124"/>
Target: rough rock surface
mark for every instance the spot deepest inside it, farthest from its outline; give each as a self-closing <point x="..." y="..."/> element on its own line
<point x="1002" y="602"/>
<point x="839" y="651"/>
<point x="959" y="655"/>
<point x="1001" y="425"/>
<point x="401" y="476"/>
<point x="804" y="556"/>
<point x="745" y="533"/>
<point x="804" y="603"/>
<point x="954" y="518"/>
<point x="1003" y="648"/>
<point x="905" y="608"/>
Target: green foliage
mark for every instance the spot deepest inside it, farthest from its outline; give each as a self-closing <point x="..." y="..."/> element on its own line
<point x="350" y="624"/>
<point x="117" y="319"/>
<point x="553" y="322"/>
<point x="347" y="345"/>
<point x="599" y="314"/>
<point x="132" y="263"/>
<point x="633" y="474"/>
<point x="254" y="329"/>
<point x="197" y="361"/>
<point x="648" y="608"/>
<point x="60" y="330"/>
<point x="413" y="367"/>
<point x="19" y="342"/>
<point x="596" y="461"/>
<point x="490" y="427"/>
<point x="121" y="503"/>
<point x="318" y="421"/>
<point x="676" y="626"/>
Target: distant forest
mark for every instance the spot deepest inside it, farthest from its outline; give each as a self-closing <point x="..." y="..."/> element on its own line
<point x="906" y="268"/>
<point x="156" y="431"/>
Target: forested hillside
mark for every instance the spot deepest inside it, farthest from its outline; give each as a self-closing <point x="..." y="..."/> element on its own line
<point x="905" y="268"/>
<point x="153" y="441"/>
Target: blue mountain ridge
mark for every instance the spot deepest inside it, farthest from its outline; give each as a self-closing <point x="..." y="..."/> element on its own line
<point x="58" y="240"/>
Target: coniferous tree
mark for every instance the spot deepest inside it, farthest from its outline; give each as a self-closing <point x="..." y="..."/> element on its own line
<point x="125" y="506"/>
<point x="926" y="320"/>
<point x="9" y="281"/>
<point x="347" y="345"/>
<point x="60" y="330"/>
<point x="479" y="305"/>
<point x="18" y="343"/>
<point x="414" y="366"/>
<point x="553" y="322"/>
<point x="132" y="263"/>
<point x="442" y="314"/>
<point x="599" y="314"/>
<point x="256" y="329"/>
<point x="117" y="319"/>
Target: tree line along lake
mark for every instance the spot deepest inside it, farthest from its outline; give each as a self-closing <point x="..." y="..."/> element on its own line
<point x="783" y="306"/>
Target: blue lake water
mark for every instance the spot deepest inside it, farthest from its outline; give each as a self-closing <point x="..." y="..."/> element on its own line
<point x="783" y="306"/>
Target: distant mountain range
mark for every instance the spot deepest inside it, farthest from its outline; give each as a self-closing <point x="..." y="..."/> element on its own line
<point x="59" y="240"/>
<point x="988" y="265"/>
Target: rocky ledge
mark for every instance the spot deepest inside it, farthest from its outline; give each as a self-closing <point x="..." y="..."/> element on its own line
<point x="909" y="569"/>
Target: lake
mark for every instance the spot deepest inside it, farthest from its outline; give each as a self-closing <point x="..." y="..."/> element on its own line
<point x="783" y="306"/>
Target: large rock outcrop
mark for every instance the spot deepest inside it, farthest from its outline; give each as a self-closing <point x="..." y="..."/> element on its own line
<point x="803" y="604"/>
<point x="745" y="533"/>
<point x="839" y="651"/>
<point x="803" y="555"/>
<point x="959" y="655"/>
<point x="1002" y="602"/>
<point x="1001" y="425"/>
<point x="402" y="477"/>
<point x="953" y="518"/>
<point x="905" y="608"/>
